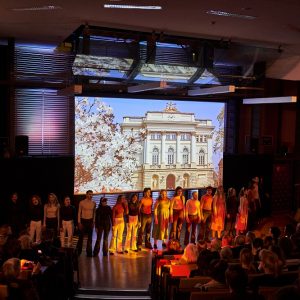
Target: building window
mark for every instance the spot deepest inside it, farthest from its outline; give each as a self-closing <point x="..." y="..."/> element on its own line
<point x="171" y="156"/>
<point x="155" y="182"/>
<point x="171" y="136"/>
<point x="155" y="156"/>
<point x="197" y="139"/>
<point x="201" y="157"/>
<point x="185" y="136"/>
<point x="155" y="136"/>
<point x="185" y="156"/>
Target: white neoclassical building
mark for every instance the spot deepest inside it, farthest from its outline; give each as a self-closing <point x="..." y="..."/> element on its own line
<point x="177" y="149"/>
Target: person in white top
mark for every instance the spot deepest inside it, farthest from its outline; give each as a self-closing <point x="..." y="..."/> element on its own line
<point x="193" y="216"/>
<point x="86" y="221"/>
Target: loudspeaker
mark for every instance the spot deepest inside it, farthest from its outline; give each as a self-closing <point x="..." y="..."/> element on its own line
<point x="21" y="145"/>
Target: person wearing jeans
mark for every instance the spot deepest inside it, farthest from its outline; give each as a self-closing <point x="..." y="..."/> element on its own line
<point x="86" y="221"/>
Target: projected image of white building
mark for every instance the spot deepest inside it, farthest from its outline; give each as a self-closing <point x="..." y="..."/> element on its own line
<point x="178" y="149"/>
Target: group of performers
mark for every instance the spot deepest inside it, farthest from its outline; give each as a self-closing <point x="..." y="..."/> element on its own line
<point x="210" y="217"/>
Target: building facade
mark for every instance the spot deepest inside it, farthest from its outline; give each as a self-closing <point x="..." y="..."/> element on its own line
<point x="178" y="150"/>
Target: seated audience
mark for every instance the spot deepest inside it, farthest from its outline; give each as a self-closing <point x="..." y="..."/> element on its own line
<point x="247" y="261"/>
<point x="18" y="289"/>
<point x="190" y="254"/>
<point x="237" y="280"/>
<point x="217" y="270"/>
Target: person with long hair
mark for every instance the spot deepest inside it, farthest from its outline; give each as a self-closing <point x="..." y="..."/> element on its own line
<point x="103" y="223"/>
<point x="232" y="210"/>
<point x="161" y="219"/>
<point x="218" y="212"/>
<point x="119" y="210"/>
<point x="35" y="215"/>
<point x="242" y="216"/>
<point x="51" y="214"/>
<point x="177" y="213"/>
<point x="133" y="224"/>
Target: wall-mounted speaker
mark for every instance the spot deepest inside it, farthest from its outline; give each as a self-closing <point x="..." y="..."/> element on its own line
<point x="21" y="145"/>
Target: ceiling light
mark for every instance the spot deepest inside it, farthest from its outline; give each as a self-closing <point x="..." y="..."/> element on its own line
<point x="228" y="14"/>
<point x="212" y="90"/>
<point x="125" y="6"/>
<point x="35" y="8"/>
<point x="148" y="87"/>
<point x="271" y="100"/>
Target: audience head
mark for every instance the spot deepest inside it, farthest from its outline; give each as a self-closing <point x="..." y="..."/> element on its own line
<point x="226" y="241"/>
<point x="268" y="242"/>
<point x="25" y="241"/>
<point x="201" y="244"/>
<point x="236" y="278"/>
<point x="239" y="240"/>
<point x="215" y="244"/>
<point x="269" y="262"/>
<point x="250" y="236"/>
<point x="226" y="253"/>
<point x="275" y="232"/>
<point x="217" y="270"/>
<point x="246" y="257"/>
<point x="190" y="253"/>
<point x="173" y="245"/>
<point x="11" y="268"/>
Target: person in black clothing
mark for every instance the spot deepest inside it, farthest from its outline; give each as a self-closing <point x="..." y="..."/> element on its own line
<point x="132" y="224"/>
<point x="15" y="214"/>
<point x="36" y="216"/>
<point x="232" y="205"/>
<point x="67" y="221"/>
<point x="102" y="225"/>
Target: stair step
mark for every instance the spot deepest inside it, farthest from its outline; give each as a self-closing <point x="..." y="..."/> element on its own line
<point x="110" y="291"/>
<point x="109" y="296"/>
<point x="84" y="293"/>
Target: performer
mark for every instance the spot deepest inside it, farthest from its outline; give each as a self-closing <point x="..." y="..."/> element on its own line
<point x="242" y="216"/>
<point x="68" y="221"/>
<point x="102" y="225"/>
<point x="35" y="215"/>
<point x="133" y="224"/>
<point x="206" y="208"/>
<point x="218" y="212"/>
<point x="118" y="212"/>
<point x="161" y="219"/>
<point x="193" y="216"/>
<point x="86" y="221"/>
<point x="146" y="219"/>
<point x="51" y="214"/>
<point x="232" y="210"/>
<point x="177" y="214"/>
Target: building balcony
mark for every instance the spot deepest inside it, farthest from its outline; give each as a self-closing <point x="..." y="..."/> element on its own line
<point x="155" y="166"/>
<point x="186" y="166"/>
<point x="170" y="166"/>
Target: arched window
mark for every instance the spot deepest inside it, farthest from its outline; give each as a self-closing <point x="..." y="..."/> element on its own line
<point x="201" y="157"/>
<point x="155" y="182"/>
<point x="155" y="156"/>
<point x="185" y="156"/>
<point x="170" y="156"/>
<point x="186" y="180"/>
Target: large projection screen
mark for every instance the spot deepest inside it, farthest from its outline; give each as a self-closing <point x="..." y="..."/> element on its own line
<point x="128" y="144"/>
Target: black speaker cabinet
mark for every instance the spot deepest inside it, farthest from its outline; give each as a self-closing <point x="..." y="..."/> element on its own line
<point x="21" y="145"/>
